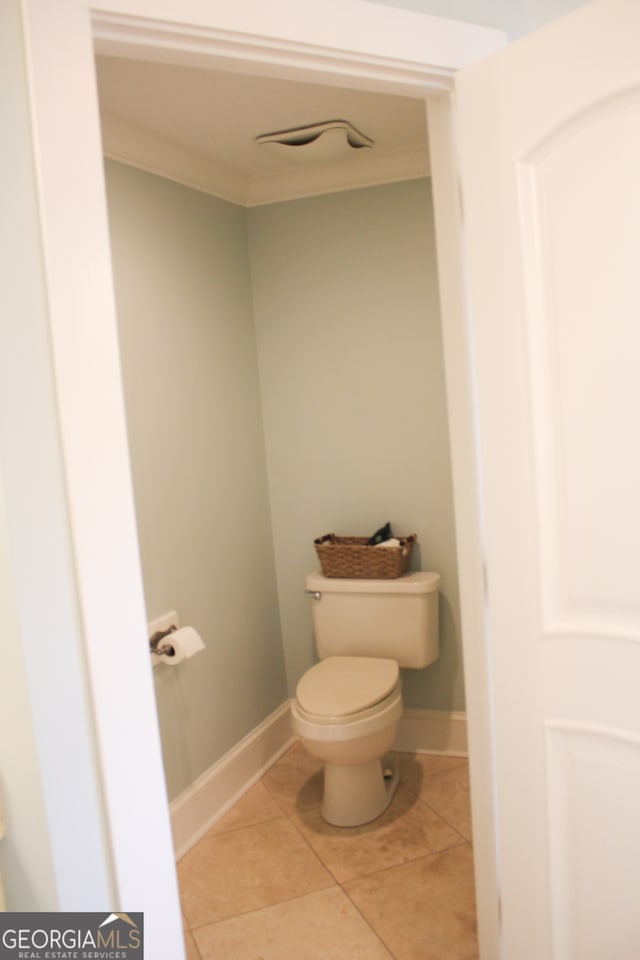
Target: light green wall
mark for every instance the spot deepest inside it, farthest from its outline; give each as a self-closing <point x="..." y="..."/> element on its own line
<point x="515" y="17"/>
<point x="26" y="861"/>
<point x="25" y="854"/>
<point x="193" y="409"/>
<point x="542" y="12"/>
<point x="508" y="15"/>
<point x="343" y="294"/>
<point x="351" y="368"/>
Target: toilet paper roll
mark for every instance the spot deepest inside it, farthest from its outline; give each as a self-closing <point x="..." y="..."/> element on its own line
<point x="184" y="643"/>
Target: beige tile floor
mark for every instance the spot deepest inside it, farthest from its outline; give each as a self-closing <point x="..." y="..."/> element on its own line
<point x="273" y="881"/>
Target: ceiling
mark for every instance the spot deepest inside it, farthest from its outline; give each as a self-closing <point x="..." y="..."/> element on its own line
<point x="198" y="127"/>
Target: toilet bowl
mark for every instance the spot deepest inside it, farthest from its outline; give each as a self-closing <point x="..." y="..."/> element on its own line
<point x="346" y="713"/>
<point x="348" y="705"/>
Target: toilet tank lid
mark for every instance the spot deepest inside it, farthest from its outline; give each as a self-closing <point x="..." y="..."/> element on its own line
<point x="422" y="582"/>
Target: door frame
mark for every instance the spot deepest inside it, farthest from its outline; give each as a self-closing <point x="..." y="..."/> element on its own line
<point x="364" y="45"/>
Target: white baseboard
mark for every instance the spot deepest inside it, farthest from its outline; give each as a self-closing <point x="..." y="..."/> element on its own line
<point x="432" y="731"/>
<point x="209" y="797"/>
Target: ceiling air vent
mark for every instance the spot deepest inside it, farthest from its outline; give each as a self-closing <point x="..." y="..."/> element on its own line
<point x="316" y="142"/>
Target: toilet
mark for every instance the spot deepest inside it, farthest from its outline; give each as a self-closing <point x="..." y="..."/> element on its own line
<point x="347" y="706"/>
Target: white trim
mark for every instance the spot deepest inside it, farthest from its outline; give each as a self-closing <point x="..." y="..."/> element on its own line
<point x="460" y="382"/>
<point x="209" y="797"/>
<point x="116" y="680"/>
<point x="432" y="731"/>
<point x="202" y="804"/>
<point x="348" y="38"/>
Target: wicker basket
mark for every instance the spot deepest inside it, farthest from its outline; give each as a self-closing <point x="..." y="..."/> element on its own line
<point x="351" y="558"/>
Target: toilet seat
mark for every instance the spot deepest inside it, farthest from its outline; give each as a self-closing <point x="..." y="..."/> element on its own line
<point x="346" y="688"/>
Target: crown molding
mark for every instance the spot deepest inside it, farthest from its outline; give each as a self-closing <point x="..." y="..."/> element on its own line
<point x="135" y="146"/>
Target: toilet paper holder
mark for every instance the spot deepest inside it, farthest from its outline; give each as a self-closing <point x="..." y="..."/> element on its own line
<point x="156" y="641"/>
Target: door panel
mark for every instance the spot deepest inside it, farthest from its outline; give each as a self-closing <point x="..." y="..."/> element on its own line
<point x="578" y="327"/>
<point x="550" y="156"/>
<point x="594" y="779"/>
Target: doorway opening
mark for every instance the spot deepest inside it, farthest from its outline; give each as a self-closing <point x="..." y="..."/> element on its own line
<point x="415" y="100"/>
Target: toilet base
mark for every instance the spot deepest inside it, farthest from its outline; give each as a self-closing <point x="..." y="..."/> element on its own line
<point x="355" y="794"/>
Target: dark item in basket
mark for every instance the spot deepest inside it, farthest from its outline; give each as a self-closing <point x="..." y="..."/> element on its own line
<point x="384" y="533"/>
<point x="352" y="558"/>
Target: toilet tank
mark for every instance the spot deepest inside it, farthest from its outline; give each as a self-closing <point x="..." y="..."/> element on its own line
<point x="376" y="618"/>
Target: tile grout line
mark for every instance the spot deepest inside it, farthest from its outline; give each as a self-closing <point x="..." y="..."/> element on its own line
<point x="340" y="886"/>
<point x="266" y="906"/>
<point x="374" y="932"/>
<point x="425" y="856"/>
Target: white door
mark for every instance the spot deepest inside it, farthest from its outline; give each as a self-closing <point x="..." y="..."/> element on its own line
<point x="549" y="133"/>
